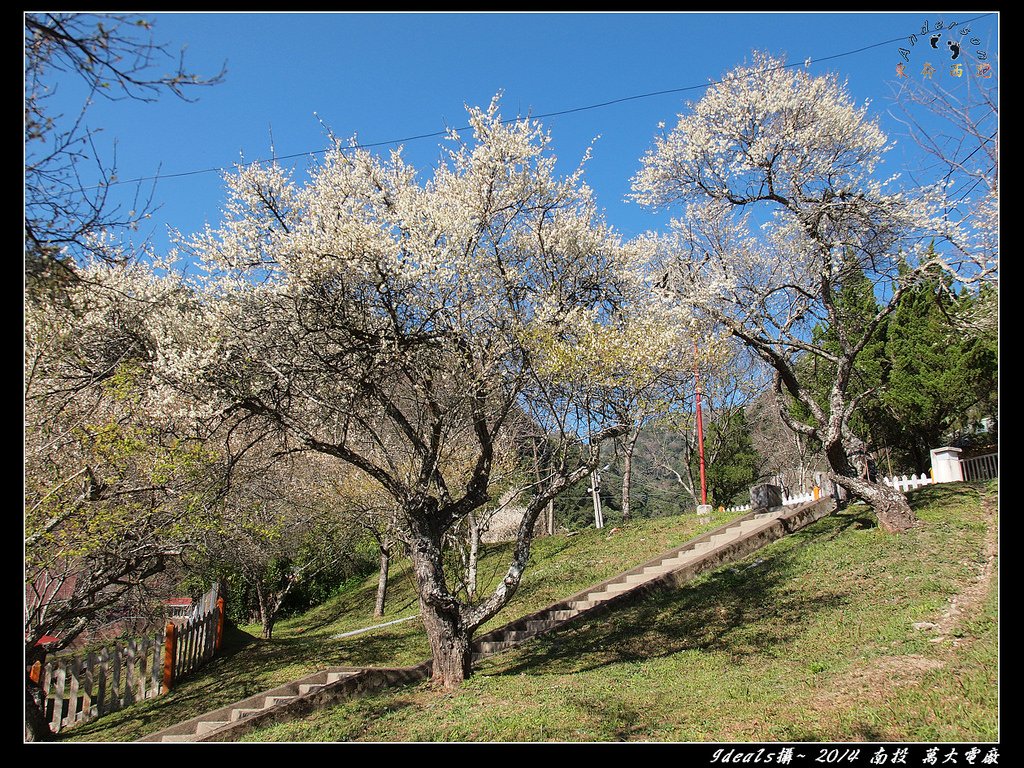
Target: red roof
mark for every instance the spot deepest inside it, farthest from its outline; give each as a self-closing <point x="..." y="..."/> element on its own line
<point x="178" y="601"/>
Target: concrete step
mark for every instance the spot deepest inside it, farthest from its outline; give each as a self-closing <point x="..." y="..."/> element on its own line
<point x="755" y="523"/>
<point x="639" y="578"/>
<point x="678" y="559"/>
<point x="179" y="737"/>
<point x="670" y="562"/>
<point x="271" y="701"/>
<point x="516" y="635"/>
<point x="487" y="647"/>
<point x="724" y="537"/>
<point x="240" y="713"/>
<point x="562" y="615"/>
<point x="209" y="725"/>
<point x="305" y="688"/>
<point x="617" y="587"/>
<point x="581" y="605"/>
<point x="333" y="677"/>
<point x="541" y="625"/>
<point x="654" y="571"/>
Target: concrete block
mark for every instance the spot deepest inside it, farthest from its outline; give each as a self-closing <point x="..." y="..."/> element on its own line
<point x="765" y="496"/>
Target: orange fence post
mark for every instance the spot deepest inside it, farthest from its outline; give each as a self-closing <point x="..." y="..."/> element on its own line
<point x="220" y="623"/>
<point x="168" y="657"/>
<point x="817" y="493"/>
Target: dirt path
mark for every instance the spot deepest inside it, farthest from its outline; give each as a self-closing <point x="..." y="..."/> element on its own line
<point x="972" y="597"/>
<point x="872" y="680"/>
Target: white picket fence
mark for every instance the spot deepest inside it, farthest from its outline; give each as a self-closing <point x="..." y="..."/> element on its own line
<point x="905" y="483"/>
<point x="798" y="498"/>
<point x="984" y="467"/>
<point x="195" y="642"/>
<point x="82" y="688"/>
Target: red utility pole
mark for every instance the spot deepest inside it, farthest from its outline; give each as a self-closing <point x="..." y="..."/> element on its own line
<point x="700" y="428"/>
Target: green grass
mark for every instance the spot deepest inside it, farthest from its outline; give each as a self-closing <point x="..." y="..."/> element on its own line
<point x="811" y="638"/>
<point x="559" y="567"/>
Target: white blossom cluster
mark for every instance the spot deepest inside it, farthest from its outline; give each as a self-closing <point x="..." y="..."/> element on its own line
<point x="776" y="172"/>
<point x="493" y="277"/>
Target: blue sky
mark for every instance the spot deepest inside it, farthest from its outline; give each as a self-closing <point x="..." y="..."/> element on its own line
<point x="389" y="76"/>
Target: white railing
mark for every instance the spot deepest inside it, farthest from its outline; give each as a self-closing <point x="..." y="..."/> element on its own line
<point x="980" y="467"/>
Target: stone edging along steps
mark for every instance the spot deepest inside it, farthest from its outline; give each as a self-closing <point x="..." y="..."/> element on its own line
<point x="725" y="544"/>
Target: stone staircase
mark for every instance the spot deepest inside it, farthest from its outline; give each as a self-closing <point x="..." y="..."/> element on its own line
<point x="211" y="722"/>
<point x="727" y="543"/>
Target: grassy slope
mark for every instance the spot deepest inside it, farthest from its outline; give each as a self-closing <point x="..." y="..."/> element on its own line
<point x="560" y="566"/>
<point x="812" y="638"/>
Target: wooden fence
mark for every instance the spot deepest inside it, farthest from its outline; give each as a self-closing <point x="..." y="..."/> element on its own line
<point x="85" y="687"/>
<point x="194" y="642"/>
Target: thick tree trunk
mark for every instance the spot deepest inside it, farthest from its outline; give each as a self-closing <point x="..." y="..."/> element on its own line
<point x="268" y="611"/>
<point x="890" y="505"/>
<point x="36" y="727"/>
<point x="382" y="579"/>
<point x="439" y="608"/>
<point x="449" y="646"/>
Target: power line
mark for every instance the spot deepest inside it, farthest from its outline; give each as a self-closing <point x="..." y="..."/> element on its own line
<point x="545" y="115"/>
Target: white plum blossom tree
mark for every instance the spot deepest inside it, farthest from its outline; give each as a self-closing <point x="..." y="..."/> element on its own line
<point x="777" y="174"/>
<point x="400" y="325"/>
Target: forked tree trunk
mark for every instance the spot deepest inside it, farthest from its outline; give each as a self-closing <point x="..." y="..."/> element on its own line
<point x="270" y="604"/>
<point x="890" y="505"/>
<point x="449" y="646"/>
<point x="440" y="610"/>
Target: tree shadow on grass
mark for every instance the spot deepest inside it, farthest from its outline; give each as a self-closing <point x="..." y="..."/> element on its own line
<point x="747" y="608"/>
<point x="371" y="710"/>
<point x="327" y="616"/>
<point x="354" y="603"/>
<point x="247" y="666"/>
